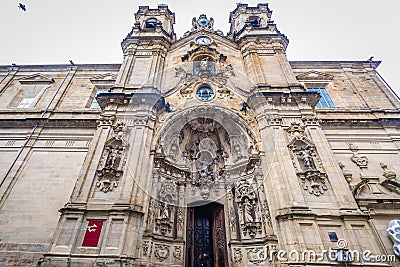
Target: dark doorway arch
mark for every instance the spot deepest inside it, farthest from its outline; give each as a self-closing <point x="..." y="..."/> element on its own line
<point x="206" y="236"/>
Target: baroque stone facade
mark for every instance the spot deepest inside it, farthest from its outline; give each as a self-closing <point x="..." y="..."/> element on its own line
<point x="208" y="150"/>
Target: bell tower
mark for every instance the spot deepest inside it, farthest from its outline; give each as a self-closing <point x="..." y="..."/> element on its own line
<point x="145" y="49"/>
<point x="263" y="47"/>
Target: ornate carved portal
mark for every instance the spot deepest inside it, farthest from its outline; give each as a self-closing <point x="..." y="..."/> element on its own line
<point x="206" y="237"/>
<point x="205" y="155"/>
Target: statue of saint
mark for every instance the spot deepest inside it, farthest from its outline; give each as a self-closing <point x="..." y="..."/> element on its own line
<point x="248" y="211"/>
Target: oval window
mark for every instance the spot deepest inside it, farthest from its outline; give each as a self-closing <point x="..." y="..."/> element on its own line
<point x="205" y="93"/>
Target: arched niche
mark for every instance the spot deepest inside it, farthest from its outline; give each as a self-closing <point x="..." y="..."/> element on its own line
<point x="208" y="144"/>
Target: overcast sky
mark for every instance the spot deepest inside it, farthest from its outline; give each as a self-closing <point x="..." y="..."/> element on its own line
<point x="90" y="31"/>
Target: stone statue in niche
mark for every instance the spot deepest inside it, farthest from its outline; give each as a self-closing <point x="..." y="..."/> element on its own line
<point x="360" y="161"/>
<point x="306" y="154"/>
<point x="248" y="210"/>
<point x="164" y="211"/>
<point x="113" y="159"/>
<point x="167" y="197"/>
<point x="246" y="201"/>
<point x="305" y="160"/>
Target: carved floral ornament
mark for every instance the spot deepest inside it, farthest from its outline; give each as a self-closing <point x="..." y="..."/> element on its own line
<point x="306" y="161"/>
<point x="112" y="162"/>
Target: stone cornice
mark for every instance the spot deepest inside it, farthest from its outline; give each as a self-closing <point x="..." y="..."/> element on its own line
<point x="286" y="98"/>
<point x="192" y="36"/>
<point x="333" y="64"/>
<point x="150" y="100"/>
<point x="150" y="43"/>
<point x="263" y="40"/>
<point x="31" y="122"/>
<point x="358" y="122"/>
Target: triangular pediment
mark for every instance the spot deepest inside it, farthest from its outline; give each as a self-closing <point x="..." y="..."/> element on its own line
<point x="370" y="189"/>
<point x="314" y="75"/>
<point x="36" y="78"/>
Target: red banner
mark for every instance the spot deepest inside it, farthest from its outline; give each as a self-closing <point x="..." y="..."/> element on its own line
<point x="92" y="234"/>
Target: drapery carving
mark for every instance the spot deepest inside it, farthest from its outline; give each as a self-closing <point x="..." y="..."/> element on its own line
<point x="306" y="162"/>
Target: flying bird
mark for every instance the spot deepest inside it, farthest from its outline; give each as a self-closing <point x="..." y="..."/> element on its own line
<point x="22" y="7"/>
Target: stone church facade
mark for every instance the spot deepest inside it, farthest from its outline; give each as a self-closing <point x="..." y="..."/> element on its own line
<point x="208" y="150"/>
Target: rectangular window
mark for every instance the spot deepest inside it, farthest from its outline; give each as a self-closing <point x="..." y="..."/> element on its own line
<point x="95" y="104"/>
<point x="26" y="102"/>
<point x="325" y="100"/>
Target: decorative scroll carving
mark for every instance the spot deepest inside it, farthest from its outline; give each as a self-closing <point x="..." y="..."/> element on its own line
<point x="161" y="252"/>
<point x="246" y="200"/>
<point x="180" y="219"/>
<point x="204" y="71"/>
<point x="145" y="248"/>
<point x="360" y="161"/>
<point x="237" y="255"/>
<point x="388" y="174"/>
<point x="113" y="159"/>
<point x="177" y="254"/>
<point x="307" y="164"/>
<point x="257" y="255"/>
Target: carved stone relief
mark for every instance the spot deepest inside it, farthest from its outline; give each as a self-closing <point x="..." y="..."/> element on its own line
<point x="257" y="255"/>
<point x="388" y="174"/>
<point x="247" y="202"/>
<point x="203" y="70"/>
<point x="237" y="256"/>
<point x="167" y="198"/>
<point x="177" y="254"/>
<point x="161" y="252"/>
<point x="145" y="248"/>
<point x="113" y="159"/>
<point x="306" y="162"/>
<point x="360" y="161"/>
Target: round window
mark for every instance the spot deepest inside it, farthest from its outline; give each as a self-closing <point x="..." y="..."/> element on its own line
<point x="205" y="93"/>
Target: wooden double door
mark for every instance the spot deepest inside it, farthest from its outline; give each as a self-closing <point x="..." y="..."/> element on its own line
<point x="206" y="237"/>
